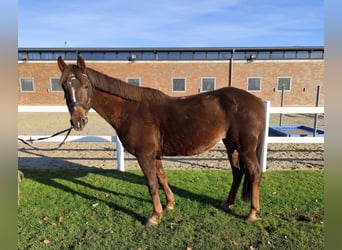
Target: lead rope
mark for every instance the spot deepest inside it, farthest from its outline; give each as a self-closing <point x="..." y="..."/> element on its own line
<point x="30" y="141"/>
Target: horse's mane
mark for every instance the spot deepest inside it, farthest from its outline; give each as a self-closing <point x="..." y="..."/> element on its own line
<point x="120" y="88"/>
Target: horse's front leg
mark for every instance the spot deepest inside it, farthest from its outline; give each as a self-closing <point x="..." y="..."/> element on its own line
<point x="164" y="183"/>
<point x="148" y="166"/>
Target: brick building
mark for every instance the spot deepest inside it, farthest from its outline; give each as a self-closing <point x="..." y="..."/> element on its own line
<point x="182" y="71"/>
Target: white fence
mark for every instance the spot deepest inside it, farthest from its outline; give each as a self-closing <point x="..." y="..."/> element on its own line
<point x="120" y="149"/>
<point x="274" y="139"/>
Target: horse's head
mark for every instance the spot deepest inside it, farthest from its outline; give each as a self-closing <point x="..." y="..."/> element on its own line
<point x="77" y="90"/>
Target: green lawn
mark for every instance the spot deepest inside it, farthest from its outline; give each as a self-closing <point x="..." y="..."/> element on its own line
<point x="106" y="209"/>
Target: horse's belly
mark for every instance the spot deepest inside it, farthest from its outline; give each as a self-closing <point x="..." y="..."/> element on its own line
<point x="188" y="145"/>
<point x="198" y="149"/>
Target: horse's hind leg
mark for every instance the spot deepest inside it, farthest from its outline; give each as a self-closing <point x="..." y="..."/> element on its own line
<point x="238" y="172"/>
<point x="148" y="166"/>
<point x="251" y="187"/>
<point x="164" y="183"/>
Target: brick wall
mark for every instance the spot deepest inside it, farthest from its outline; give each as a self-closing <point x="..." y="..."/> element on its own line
<point x="305" y="74"/>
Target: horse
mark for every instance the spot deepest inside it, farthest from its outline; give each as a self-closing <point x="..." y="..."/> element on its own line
<point x="151" y="124"/>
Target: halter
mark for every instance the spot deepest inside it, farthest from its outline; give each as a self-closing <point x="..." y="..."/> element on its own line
<point x="74" y="102"/>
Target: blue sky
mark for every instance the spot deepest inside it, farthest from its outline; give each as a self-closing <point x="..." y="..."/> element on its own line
<point x="170" y="23"/>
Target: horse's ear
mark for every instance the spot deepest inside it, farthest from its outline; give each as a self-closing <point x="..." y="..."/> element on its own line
<point x="81" y="64"/>
<point x="61" y="64"/>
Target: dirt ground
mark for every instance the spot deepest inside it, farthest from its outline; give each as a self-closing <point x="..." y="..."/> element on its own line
<point x="76" y="155"/>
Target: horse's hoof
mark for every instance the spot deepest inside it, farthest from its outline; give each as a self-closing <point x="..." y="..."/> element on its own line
<point x="252" y="218"/>
<point x="168" y="208"/>
<point x="150" y="223"/>
<point x="226" y="208"/>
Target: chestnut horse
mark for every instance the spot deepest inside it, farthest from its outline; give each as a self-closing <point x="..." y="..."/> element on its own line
<point x="151" y="124"/>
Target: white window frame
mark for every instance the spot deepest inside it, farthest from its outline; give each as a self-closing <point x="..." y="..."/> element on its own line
<point x="285" y="90"/>
<point x="212" y="78"/>
<point x="54" y="90"/>
<point x="135" y="78"/>
<point x="172" y="84"/>
<point x="27" y="91"/>
<point x="254" y="77"/>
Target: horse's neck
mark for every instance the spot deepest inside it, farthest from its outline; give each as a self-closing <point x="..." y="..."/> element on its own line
<point x="110" y="107"/>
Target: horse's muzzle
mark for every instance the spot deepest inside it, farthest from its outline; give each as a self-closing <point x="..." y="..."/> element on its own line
<point x="79" y="124"/>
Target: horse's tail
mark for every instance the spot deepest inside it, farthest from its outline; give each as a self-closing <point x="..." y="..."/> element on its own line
<point x="247" y="188"/>
<point x="247" y="183"/>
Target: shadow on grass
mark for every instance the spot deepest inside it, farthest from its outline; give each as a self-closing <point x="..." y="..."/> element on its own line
<point x="73" y="172"/>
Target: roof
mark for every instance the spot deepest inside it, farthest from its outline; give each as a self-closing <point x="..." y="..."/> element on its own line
<point x="156" y="49"/>
<point x="175" y="53"/>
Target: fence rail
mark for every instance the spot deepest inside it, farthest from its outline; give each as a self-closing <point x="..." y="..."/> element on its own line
<point x="44" y="109"/>
<point x="120" y="149"/>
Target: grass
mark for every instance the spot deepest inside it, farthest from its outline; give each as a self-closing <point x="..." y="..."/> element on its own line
<point x="105" y="209"/>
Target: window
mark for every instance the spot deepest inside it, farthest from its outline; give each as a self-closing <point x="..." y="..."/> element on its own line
<point x="69" y="55"/>
<point x="108" y="55"/>
<point x="135" y="56"/>
<point x="284" y="82"/>
<point x="225" y="55"/>
<point x="253" y="84"/>
<point x="62" y="54"/>
<point x="250" y="55"/>
<point x="23" y="56"/>
<point x="277" y="54"/>
<point x="240" y="55"/>
<point x="200" y="55"/>
<point x="303" y="54"/>
<point x="89" y="55"/>
<point x="208" y="84"/>
<point x="34" y="56"/>
<point x="148" y="56"/>
<point x="187" y="55"/>
<point x="317" y="54"/>
<point x="133" y="81"/>
<point x="212" y="55"/>
<point x="26" y="84"/>
<point x="162" y="55"/>
<point x="97" y="55"/>
<point x="123" y="55"/>
<point x="174" y="55"/>
<point x="178" y="84"/>
<point x="264" y="55"/>
<point x="47" y="56"/>
<point x="54" y="86"/>
<point x="290" y="54"/>
<point x="86" y="55"/>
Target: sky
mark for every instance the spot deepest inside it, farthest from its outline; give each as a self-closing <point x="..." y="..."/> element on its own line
<point x="169" y="23"/>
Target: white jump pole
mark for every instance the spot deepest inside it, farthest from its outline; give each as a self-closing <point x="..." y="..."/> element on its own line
<point x="263" y="158"/>
<point x="119" y="154"/>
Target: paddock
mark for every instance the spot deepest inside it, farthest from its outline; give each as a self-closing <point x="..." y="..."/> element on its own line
<point x="105" y="201"/>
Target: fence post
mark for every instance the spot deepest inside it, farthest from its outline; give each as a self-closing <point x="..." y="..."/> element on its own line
<point x="119" y="154"/>
<point x="281" y="105"/>
<point x="316" y="114"/>
<point x="263" y="158"/>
